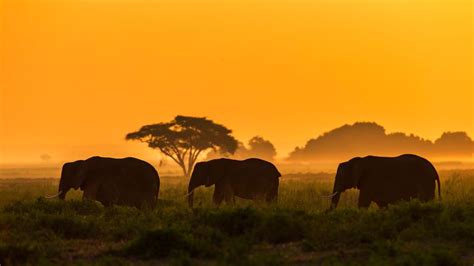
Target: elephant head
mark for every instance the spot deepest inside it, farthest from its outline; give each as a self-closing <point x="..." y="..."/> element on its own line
<point x="73" y="176"/>
<point x="348" y="176"/>
<point x="204" y="174"/>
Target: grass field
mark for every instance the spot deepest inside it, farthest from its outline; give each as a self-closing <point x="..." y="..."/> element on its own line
<point x="296" y="230"/>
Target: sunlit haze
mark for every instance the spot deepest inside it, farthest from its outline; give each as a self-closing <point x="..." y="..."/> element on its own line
<point x="78" y="75"/>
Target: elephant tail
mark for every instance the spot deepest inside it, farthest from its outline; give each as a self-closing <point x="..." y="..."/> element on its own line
<point x="439" y="185"/>
<point x="436" y="176"/>
<point x="158" y="181"/>
<point x="157" y="191"/>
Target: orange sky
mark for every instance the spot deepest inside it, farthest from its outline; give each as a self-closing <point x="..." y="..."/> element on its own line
<point x="77" y="75"/>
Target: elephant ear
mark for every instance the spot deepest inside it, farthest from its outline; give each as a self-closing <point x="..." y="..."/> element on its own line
<point x="200" y="175"/>
<point x="81" y="175"/>
<point x="344" y="177"/>
<point x="216" y="170"/>
<point x="70" y="175"/>
<point x="358" y="171"/>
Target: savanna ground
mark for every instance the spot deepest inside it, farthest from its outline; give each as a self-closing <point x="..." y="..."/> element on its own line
<point x="296" y="230"/>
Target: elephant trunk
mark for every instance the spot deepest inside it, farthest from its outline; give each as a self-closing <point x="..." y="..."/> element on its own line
<point x="63" y="189"/>
<point x="194" y="182"/>
<point x="335" y="200"/>
<point x="190" y="194"/>
<point x="190" y="198"/>
<point x="62" y="195"/>
<point x="336" y="191"/>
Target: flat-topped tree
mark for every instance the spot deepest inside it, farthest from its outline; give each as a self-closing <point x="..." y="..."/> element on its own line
<point x="184" y="138"/>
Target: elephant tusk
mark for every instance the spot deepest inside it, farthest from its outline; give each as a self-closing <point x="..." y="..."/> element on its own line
<point x="329" y="196"/>
<point x="189" y="193"/>
<point x="53" y="196"/>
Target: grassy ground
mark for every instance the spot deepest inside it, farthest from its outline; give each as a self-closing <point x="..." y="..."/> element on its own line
<point x="297" y="230"/>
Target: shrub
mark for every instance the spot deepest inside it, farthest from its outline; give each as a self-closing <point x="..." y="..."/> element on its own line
<point x="165" y="242"/>
<point x="231" y="221"/>
<point x="281" y="226"/>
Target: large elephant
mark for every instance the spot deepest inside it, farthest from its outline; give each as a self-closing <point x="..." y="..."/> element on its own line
<point x="249" y="179"/>
<point x="127" y="181"/>
<point x="386" y="180"/>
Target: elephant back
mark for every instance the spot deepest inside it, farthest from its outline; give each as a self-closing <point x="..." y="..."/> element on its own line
<point x="262" y="166"/>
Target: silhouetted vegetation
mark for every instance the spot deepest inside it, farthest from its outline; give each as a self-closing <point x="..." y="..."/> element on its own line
<point x="297" y="230"/>
<point x="258" y="147"/>
<point x="185" y="138"/>
<point x="362" y="138"/>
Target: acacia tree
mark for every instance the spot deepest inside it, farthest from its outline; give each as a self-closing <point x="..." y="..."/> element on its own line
<point x="184" y="138"/>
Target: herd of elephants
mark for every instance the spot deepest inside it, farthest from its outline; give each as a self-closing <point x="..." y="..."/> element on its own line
<point x="133" y="182"/>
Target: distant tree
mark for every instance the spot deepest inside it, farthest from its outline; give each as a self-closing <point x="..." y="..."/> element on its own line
<point x="454" y="144"/>
<point x="262" y="148"/>
<point x="45" y="157"/>
<point x="184" y="138"/>
<point x="257" y="147"/>
<point x="344" y="142"/>
<point x="368" y="138"/>
<point x="240" y="152"/>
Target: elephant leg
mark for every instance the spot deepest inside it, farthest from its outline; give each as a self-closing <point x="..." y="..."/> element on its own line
<point x="106" y="203"/>
<point x="91" y="191"/>
<point x="229" y="195"/>
<point x="108" y="194"/>
<point x="226" y="191"/>
<point x="382" y="204"/>
<point x="228" y="199"/>
<point x="364" y="200"/>
<point x="218" y="196"/>
<point x="425" y="194"/>
<point x="217" y="199"/>
<point x="272" y="194"/>
<point x="271" y="197"/>
<point x="87" y="194"/>
<point x="102" y="197"/>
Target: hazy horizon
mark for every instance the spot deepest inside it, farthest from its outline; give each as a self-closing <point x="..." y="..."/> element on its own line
<point x="331" y="149"/>
<point x="76" y="76"/>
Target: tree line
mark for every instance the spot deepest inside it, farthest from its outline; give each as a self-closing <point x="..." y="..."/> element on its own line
<point x="186" y="138"/>
<point x="363" y="138"/>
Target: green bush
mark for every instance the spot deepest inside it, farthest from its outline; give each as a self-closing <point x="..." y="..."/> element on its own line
<point x="19" y="253"/>
<point x="231" y="221"/>
<point x="165" y="242"/>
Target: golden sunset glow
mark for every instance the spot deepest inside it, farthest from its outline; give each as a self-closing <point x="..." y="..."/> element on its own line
<point x="78" y="75"/>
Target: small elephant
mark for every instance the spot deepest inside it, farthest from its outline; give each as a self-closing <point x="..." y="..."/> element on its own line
<point x="386" y="180"/>
<point x="127" y="181"/>
<point x="249" y="179"/>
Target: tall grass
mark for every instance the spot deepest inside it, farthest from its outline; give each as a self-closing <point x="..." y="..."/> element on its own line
<point x="296" y="230"/>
